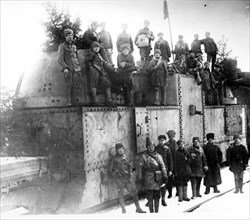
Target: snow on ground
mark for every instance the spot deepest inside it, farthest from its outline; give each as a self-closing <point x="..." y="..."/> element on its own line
<point x="227" y="206"/>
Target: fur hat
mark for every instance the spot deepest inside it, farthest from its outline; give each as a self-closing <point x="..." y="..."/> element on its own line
<point x="157" y="51"/>
<point x="119" y="145"/>
<point x="196" y="138"/>
<point x="171" y="133"/>
<point x="210" y="135"/>
<point x="95" y="44"/>
<point x="67" y="31"/>
<point x="180" y="141"/>
<point x="125" y="46"/>
<point x="236" y="136"/>
<point x="162" y="137"/>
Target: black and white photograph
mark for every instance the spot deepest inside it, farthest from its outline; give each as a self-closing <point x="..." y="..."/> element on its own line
<point x="125" y="109"/>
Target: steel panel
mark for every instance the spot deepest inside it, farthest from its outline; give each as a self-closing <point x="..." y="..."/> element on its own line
<point x="190" y="94"/>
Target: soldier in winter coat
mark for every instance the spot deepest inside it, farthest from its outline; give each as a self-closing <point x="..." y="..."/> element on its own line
<point x="124" y="38"/>
<point x="98" y="70"/>
<point x="123" y="77"/>
<point x="91" y="36"/>
<point x="69" y="61"/>
<point x="210" y="48"/>
<point x="152" y="172"/>
<point x="163" y="46"/>
<point x="198" y="166"/>
<point x="106" y="41"/>
<point x="214" y="157"/>
<point x="159" y="77"/>
<point x="120" y="169"/>
<point x="182" y="170"/>
<point x="238" y="161"/>
<point x="165" y="152"/>
<point x="147" y="35"/>
<point x="181" y="47"/>
<point x="173" y="147"/>
<point x="196" y="45"/>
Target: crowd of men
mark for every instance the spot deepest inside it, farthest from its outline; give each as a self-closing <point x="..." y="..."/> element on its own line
<point x="171" y="164"/>
<point x="104" y="76"/>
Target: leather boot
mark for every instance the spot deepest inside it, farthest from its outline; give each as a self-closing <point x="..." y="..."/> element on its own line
<point x="193" y="186"/>
<point x="93" y="97"/>
<point x="207" y="191"/>
<point x="241" y="185"/>
<point x="128" y="98"/>
<point x="198" y="189"/>
<point x="236" y="181"/>
<point x="137" y="205"/>
<point x="156" y="201"/>
<point x="122" y="203"/>
<point x="157" y="96"/>
<point x="151" y="205"/>
<point x="216" y="190"/>
<point x="163" y="194"/>
<point x="164" y="96"/>
<point x="180" y="193"/>
<point x="109" y="99"/>
<point x="185" y="198"/>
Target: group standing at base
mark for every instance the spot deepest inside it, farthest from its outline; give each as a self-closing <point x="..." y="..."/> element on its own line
<point x="104" y="77"/>
<point x="172" y="164"/>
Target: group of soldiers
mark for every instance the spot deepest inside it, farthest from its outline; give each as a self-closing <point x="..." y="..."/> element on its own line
<point x="104" y="76"/>
<point x="171" y="164"/>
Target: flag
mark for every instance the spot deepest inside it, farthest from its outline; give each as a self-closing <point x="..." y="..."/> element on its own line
<point x="165" y="10"/>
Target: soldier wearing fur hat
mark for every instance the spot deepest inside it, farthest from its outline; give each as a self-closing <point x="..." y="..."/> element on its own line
<point x="152" y="172"/>
<point x="238" y="161"/>
<point x="98" y="70"/>
<point x="69" y="61"/>
<point x="198" y="166"/>
<point x="165" y="152"/>
<point x="120" y="169"/>
<point x="214" y="158"/>
<point x="181" y="47"/>
<point x="158" y="78"/>
<point x="122" y="79"/>
<point x="163" y="46"/>
<point x="173" y="147"/>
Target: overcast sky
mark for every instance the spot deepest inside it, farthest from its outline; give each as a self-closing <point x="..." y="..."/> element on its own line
<point x="22" y="33"/>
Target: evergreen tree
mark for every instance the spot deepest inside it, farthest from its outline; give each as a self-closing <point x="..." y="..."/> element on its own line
<point x="54" y="27"/>
<point x="223" y="52"/>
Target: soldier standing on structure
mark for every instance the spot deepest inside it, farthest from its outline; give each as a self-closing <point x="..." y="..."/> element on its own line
<point x="143" y="41"/>
<point x="152" y="172"/>
<point x="159" y="77"/>
<point x="196" y="45"/>
<point x="106" y="42"/>
<point x="210" y="48"/>
<point x="68" y="59"/>
<point x="214" y="157"/>
<point x="173" y="147"/>
<point x="181" y="47"/>
<point x="120" y="169"/>
<point x="198" y="166"/>
<point x="123" y="77"/>
<point x="182" y="171"/>
<point x="165" y="152"/>
<point x="124" y="38"/>
<point x="238" y="160"/>
<point x="98" y="70"/>
<point x="163" y="46"/>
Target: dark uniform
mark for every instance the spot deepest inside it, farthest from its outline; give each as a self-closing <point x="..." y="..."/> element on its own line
<point x="165" y="152"/>
<point x="158" y="78"/>
<point x="238" y="160"/>
<point x="124" y="38"/>
<point x="181" y="47"/>
<point x="120" y="169"/>
<point x="214" y="157"/>
<point x="68" y="59"/>
<point x="98" y="70"/>
<point x="196" y="45"/>
<point x="151" y="170"/>
<point x="163" y="46"/>
<point x="182" y="171"/>
<point x="122" y="79"/>
<point x="198" y="167"/>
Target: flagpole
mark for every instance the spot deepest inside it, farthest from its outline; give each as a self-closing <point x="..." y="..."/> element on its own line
<point x="166" y="15"/>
